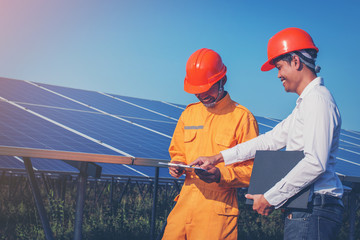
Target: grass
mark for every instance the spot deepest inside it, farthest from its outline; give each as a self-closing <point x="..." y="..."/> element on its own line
<point x="105" y="217"/>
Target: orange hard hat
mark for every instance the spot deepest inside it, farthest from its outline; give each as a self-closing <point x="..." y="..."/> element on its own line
<point x="286" y="41"/>
<point x="203" y="69"/>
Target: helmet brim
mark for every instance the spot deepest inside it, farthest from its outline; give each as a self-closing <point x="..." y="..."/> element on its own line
<point x="196" y="89"/>
<point x="267" y="66"/>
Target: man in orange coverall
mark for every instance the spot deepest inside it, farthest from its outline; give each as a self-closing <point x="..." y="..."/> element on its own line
<point x="208" y="210"/>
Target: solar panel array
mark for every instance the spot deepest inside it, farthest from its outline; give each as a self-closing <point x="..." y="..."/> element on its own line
<point x="35" y="115"/>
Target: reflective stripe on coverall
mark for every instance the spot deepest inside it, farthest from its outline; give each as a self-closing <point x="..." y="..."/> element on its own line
<point x="203" y="210"/>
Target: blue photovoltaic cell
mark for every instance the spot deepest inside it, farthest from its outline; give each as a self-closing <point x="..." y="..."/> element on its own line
<point x="20" y="91"/>
<point x="124" y="136"/>
<point x="9" y="162"/>
<point x="157" y="106"/>
<point x="266" y="122"/>
<point x="106" y="103"/>
<point x="350" y="149"/>
<point x="118" y="169"/>
<point x="263" y="129"/>
<point x="19" y="128"/>
<point x="45" y="135"/>
<point x="52" y="165"/>
<point x="349" y="141"/>
<point x="163" y="127"/>
<point x="349" y="155"/>
<point x="347" y="169"/>
<point x="348" y="146"/>
<point x="351" y="133"/>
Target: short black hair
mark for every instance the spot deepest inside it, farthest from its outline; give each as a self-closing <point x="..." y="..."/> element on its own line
<point x="287" y="57"/>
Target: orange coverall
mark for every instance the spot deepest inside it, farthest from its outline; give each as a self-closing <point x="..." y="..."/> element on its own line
<point x="209" y="210"/>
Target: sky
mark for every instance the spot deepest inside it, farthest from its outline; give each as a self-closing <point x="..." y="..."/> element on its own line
<point x="139" y="48"/>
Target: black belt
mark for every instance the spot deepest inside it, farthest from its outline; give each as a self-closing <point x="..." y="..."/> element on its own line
<point x="323" y="199"/>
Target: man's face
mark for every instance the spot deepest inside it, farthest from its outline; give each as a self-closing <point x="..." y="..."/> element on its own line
<point x="210" y="95"/>
<point x="287" y="74"/>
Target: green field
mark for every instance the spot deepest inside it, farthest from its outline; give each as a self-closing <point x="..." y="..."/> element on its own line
<point x="124" y="213"/>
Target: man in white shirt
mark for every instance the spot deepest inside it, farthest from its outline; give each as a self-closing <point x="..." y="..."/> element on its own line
<point x="313" y="127"/>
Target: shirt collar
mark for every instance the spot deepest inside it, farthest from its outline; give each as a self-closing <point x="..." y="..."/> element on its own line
<point x="221" y="105"/>
<point x="316" y="82"/>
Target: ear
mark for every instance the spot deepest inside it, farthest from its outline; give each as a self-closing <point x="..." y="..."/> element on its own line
<point x="297" y="63"/>
<point x="224" y="80"/>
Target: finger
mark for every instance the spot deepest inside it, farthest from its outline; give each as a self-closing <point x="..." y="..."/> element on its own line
<point x="196" y="162"/>
<point x="199" y="161"/>
<point x="208" y="167"/>
<point x="249" y="196"/>
<point x="174" y="169"/>
<point x="174" y="173"/>
<point x="205" y="164"/>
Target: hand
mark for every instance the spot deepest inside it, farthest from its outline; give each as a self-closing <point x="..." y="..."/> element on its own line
<point x="176" y="172"/>
<point x="211" y="175"/>
<point x="261" y="205"/>
<point x="203" y="162"/>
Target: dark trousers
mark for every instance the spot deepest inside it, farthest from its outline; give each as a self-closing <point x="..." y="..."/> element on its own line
<point x="321" y="221"/>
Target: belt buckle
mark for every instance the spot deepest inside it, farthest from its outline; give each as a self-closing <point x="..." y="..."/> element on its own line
<point x="318" y="200"/>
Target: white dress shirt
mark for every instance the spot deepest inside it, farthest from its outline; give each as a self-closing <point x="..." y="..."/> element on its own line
<point x="312" y="127"/>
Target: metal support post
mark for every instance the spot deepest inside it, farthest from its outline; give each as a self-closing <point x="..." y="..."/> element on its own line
<point x="153" y="212"/>
<point x="124" y="190"/>
<point x="10" y="186"/>
<point x="102" y="190"/>
<point x="80" y="201"/>
<point x="95" y="190"/>
<point x="37" y="197"/>
<point x="111" y="191"/>
<point x="45" y="183"/>
<point x="2" y="176"/>
<point x="63" y="188"/>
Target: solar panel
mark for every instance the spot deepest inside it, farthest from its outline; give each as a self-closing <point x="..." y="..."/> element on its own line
<point x="171" y="110"/>
<point x="11" y="163"/>
<point x="53" y="117"/>
<point x="21" y="91"/>
<point x="125" y="135"/>
<point x="112" y="104"/>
